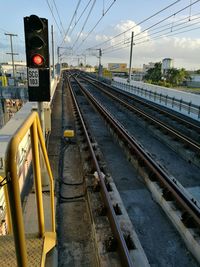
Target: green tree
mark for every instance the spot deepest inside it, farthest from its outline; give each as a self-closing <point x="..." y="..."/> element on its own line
<point x="197" y="71"/>
<point x="154" y="74"/>
<point x="88" y="66"/>
<point x="176" y="76"/>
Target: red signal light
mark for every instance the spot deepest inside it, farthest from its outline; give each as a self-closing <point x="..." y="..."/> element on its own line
<point x="37" y="60"/>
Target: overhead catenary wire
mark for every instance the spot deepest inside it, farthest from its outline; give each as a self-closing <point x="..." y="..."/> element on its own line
<point x="131" y="28"/>
<point x="75" y="12"/>
<point x="82" y="13"/>
<point x="54" y="17"/>
<point x="150" y="40"/>
<point x="85" y="22"/>
<point x="58" y="16"/>
<point x="166" y="18"/>
<point x="162" y="30"/>
<point x="88" y="34"/>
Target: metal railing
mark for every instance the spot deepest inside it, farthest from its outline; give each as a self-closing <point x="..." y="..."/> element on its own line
<point x="163" y="99"/>
<point x="15" y="215"/>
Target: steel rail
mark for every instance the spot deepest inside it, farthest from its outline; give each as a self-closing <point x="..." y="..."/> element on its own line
<point x="155" y="107"/>
<point x="193" y="144"/>
<point x="123" y="250"/>
<point x="180" y="194"/>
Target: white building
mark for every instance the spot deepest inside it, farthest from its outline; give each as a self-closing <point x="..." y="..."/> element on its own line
<point x="148" y="66"/>
<point x="19" y="67"/>
<point x="167" y="63"/>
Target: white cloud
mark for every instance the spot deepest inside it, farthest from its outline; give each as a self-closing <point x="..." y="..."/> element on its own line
<point x="67" y="39"/>
<point x="101" y="38"/>
<point x="82" y="35"/>
<point x="127" y="24"/>
<point x="184" y="50"/>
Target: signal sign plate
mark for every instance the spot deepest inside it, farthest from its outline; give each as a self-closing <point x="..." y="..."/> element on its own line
<point x="33" y="77"/>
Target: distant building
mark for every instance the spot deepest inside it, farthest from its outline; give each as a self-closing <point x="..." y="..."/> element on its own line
<point x="194" y="80"/>
<point x="137" y="76"/>
<point x="117" y="67"/>
<point x="148" y="66"/>
<point x="20" y="69"/>
<point x="167" y="63"/>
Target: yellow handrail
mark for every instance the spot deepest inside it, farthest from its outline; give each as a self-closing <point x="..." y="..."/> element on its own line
<point x="32" y="123"/>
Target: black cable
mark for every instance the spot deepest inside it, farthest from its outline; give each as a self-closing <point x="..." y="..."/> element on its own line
<point x="54" y="17"/>
<point x="59" y="16"/>
<point x="64" y="145"/>
<point x="85" y="22"/>
<point x="158" y="37"/>
<point x="105" y="50"/>
<point x="62" y="182"/>
<point x="80" y="17"/>
<point x="141" y="22"/>
<point x="2" y="184"/>
<point x="97" y="23"/>
<point x="150" y="27"/>
<point x="71" y="198"/>
<point x="75" y="12"/>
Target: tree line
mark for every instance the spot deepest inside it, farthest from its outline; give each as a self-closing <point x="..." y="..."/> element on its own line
<point x="172" y="77"/>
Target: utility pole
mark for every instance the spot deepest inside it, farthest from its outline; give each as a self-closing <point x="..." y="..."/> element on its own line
<point x="11" y="53"/>
<point x="58" y="64"/>
<point x="100" y="66"/>
<point x="53" y="64"/>
<point x="84" y="56"/>
<point x="130" y="62"/>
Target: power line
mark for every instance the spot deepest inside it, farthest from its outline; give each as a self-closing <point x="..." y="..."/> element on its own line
<point x="75" y="12"/>
<point x="97" y="23"/>
<point x="54" y="17"/>
<point x="80" y="16"/>
<point x="3" y="30"/>
<point x="157" y="37"/>
<point x="168" y="28"/>
<point x="86" y="20"/>
<point x="159" y="22"/>
<point x="141" y="22"/>
<point x="59" y="16"/>
<point x="174" y="33"/>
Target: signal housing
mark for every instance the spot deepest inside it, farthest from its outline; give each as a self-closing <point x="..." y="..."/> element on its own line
<point x="37" y="57"/>
<point x="36" y="40"/>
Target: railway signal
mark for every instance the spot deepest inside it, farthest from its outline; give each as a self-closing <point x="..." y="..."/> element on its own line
<point x="37" y="57"/>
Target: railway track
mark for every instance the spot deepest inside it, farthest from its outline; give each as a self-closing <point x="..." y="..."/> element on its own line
<point x="188" y="123"/>
<point x="183" y="130"/>
<point x="117" y="232"/>
<point x="171" y="190"/>
<point x="190" y="157"/>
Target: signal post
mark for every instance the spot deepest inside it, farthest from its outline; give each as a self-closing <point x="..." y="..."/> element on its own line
<point x="38" y="67"/>
<point x="37" y="56"/>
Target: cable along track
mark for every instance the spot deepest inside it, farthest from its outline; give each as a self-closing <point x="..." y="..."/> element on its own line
<point x="159" y="181"/>
<point x="117" y="232"/>
<point x="189" y="178"/>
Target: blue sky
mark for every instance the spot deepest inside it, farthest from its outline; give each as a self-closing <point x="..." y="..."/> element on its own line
<point x="183" y="48"/>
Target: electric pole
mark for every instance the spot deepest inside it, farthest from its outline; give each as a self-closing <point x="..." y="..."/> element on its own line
<point x="11" y="53"/>
<point x="100" y="66"/>
<point x="53" y="65"/>
<point x="130" y="62"/>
